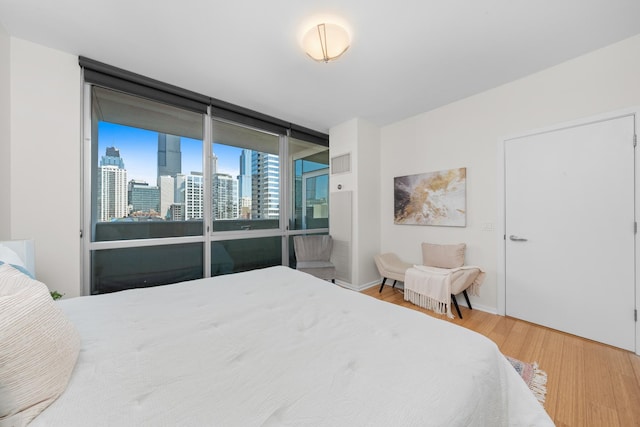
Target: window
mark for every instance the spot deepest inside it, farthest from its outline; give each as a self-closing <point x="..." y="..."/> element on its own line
<point x="310" y="190"/>
<point x="246" y="178"/>
<point x="126" y="268"/>
<point x="146" y="164"/>
<point x="178" y="186"/>
<point x="146" y="183"/>
<point x="235" y="255"/>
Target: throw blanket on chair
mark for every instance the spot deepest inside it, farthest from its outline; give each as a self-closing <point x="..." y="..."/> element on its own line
<point x="430" y="287"/>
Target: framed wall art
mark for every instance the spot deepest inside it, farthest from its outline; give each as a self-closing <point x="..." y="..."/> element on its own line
<point x="432" y="198"/>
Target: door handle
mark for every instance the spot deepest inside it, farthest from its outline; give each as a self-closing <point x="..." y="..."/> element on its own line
<point x="517" y="239"/>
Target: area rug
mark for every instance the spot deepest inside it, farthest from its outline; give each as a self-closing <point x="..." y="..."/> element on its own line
<point x="535" y="378"/>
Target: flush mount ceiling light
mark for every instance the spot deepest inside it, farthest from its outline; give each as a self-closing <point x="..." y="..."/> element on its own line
<point x="326" y="42"/>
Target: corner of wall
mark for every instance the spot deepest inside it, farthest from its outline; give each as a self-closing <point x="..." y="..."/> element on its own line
<point x="5" y="133"/>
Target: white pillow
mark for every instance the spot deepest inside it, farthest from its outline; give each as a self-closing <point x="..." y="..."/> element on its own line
<point x="39" y="348"/>
<point x="443" y="256"/>
<point x="8" y="256"/>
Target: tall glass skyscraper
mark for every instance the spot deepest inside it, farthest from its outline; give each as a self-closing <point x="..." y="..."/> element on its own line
<point x="244" y="179"/>
<point x="169" y="156"/>
<point x="169" y="167"/>
<point x="244" y="185"/>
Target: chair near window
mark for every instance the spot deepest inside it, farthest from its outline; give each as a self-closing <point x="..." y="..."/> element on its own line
<point x="313" y="256"/>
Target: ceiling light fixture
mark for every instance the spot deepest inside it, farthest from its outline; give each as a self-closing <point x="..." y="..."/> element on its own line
<point x="326" y="42"/>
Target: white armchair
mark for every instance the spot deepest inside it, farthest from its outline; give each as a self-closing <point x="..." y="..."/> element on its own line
<point x="390" y="267"/>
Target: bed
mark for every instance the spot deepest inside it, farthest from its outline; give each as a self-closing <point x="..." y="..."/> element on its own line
<point x="279" y="347"/>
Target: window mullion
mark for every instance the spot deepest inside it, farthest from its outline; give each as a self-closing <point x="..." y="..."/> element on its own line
<point x="86" y="228"/>
<point x="207" y="153"/>
<point x="284" y="197"/>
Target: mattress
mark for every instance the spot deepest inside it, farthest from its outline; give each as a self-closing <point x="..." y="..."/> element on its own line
<point x="280" y="347"/>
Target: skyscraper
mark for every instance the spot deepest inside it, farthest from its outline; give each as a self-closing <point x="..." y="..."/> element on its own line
<point x="225" y="197"/>
<point x="167" y="186"/>
<point x="143" y="198"/>
<point x="112" y="158"/>
<point x="244" y="185"/>
<point x="244" y="178"/>
<point x="177" y="210"/>
<point x="265" y="185"/>
<point x="193" y="196"/>
<point x="112" y="186"/>
<point x="214" y="163"/>
<point x="169" y="156"/>
<point x="169" y="167"/>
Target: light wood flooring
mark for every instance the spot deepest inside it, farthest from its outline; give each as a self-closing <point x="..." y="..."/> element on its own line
<point x="589" y="384"/>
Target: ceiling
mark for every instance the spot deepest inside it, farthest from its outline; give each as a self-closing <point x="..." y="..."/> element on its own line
<point x="406" y="57"/>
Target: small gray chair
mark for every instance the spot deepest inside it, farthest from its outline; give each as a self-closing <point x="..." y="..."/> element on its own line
<point x="313" y="256"/>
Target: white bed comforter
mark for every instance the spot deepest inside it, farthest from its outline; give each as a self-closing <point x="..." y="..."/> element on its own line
<point x="279" y="347"/>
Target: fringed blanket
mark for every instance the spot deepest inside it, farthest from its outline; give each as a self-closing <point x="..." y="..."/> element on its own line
<point x="430" y="287"/>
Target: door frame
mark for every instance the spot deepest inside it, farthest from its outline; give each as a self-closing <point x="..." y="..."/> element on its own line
<point x="501" y="216"/>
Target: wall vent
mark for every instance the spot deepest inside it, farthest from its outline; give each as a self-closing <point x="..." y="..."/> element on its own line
<point x="341" y="164"/>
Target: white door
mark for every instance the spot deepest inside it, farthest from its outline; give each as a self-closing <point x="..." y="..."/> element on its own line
<point x="569" y="221"/>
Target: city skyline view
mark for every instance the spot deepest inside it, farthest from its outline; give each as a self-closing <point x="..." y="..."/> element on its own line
<point x="136" y="145"/>
<point x="150" y="175"/>
<point x="139" y="148"/>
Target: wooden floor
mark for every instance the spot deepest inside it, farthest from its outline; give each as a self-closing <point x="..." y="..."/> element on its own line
<point x="589" y="384"/>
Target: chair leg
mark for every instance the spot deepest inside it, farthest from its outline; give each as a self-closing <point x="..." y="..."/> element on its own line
<point x="455" y="303"/>
<point x="466" y="296"/>
<point x="384" y="279"/>
<point x="394" y="284"/>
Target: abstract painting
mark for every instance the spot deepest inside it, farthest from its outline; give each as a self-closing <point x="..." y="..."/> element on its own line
<point x="433" y="198"/>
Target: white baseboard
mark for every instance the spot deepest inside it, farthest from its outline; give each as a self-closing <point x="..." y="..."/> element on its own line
<point x="357" y="288"/>
<point x="479" y="307"/>
<point x="400" y="285"/>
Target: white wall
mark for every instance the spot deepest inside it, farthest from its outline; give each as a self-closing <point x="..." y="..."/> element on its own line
<point x="343" y="139"/>
<point x="5" y="134"/>
<point x="45" y="160"/>
<point x="466" y="134"/>
<point x="368" y="237"/>
<point x="361" y="139"/>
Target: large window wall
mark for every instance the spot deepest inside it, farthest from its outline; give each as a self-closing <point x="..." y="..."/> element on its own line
<point x="174" y="193"/>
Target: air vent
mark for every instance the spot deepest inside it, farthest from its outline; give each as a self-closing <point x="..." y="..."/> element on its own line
<point x="341" y="164"/>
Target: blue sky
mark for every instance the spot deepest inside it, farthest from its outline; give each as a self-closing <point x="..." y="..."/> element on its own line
<point x="139" y="150"/>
